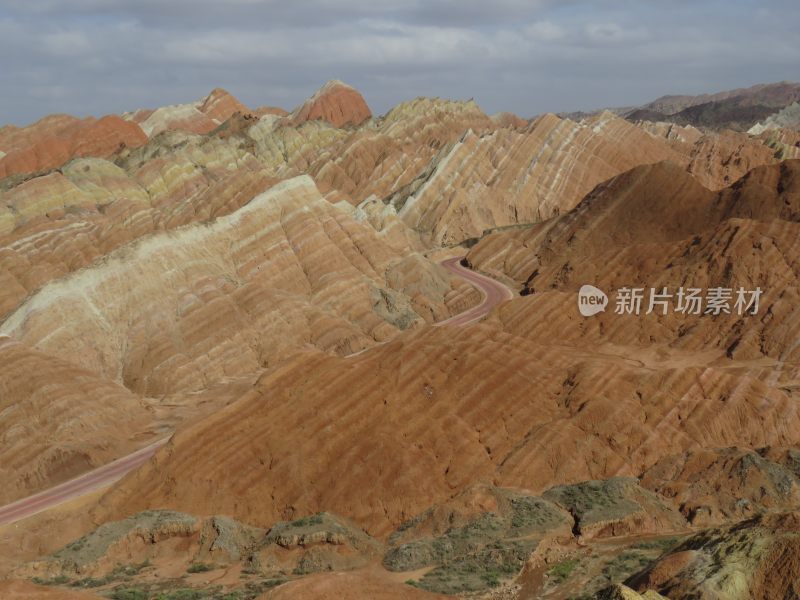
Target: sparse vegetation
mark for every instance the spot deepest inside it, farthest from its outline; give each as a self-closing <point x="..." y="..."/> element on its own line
<point x="91" y="582"/>
<point x="563" y="570"/>
<point x="58" y="580"/>
<point x="306" y="521"/>
<point x="120" y="572"/>
<point x="183" y="594"/>
<point x="661" y="544"/>
<point x="199" y="568"/>
<point x="478" y="570"/>
<point x="624" y="565"/>
<point x="174" y="589"/>
<point x="478" y="555"/>
<point x="533" y="514"/>
<point x="491" y="577"/>
<point x="129" y="594"/>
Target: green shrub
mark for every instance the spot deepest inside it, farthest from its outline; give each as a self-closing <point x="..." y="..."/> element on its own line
<point x="129" y="594"/>
<point x="184" y="594"/>
<point x="91" y="582"/>
<point x="58" y="580"/>
<point x="492" y="578"/>
<point x="563" y="569"/>
<point x="305" y="521"/>
<point x="199" y="568"/>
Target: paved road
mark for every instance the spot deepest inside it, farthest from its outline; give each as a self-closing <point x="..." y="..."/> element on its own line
<point x="493" y="292"/>
<point x="74" y="488"/>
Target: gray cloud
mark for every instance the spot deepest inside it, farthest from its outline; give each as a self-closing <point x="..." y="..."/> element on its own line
<point x="101" y="56"/>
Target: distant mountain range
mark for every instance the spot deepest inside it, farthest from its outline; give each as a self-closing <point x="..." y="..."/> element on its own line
<point x="739" y="109"/>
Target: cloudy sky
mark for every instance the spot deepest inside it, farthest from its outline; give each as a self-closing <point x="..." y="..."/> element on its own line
<point x="528" y="56"/>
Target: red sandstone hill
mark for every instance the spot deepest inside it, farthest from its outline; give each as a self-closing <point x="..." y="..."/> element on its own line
<point x="220" y="105"/>
<point x="54" y="140"/>
<point x="335" y="102"/>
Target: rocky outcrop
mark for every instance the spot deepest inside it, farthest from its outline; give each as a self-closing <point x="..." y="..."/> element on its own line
<point x="623" y="592"/>
<point x="756" y="559"/>
<point x="727" y="484"/>
<point x="615" y="507"/>
<point x="137" y="539"/>
<point x="314" y="544"/>
<point x="155" y="545"/>
<point x="478" y="540"/>
<point x="788" y="117"/>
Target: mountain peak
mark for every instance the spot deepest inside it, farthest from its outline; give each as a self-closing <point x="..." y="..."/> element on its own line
<point x="335" y="102"/>
<point x="220" y="104"/>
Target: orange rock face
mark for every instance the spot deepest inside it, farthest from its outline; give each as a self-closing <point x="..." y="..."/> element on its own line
<point x="220" y="105"/>
<point x="335" y="102"/>
<point x="54" y="140"/>
<point x="726" y="484"/>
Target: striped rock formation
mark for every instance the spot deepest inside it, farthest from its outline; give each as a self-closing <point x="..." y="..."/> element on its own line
<point x="182" y="309"/>
<point x="52" y="225"/>
<point x="195" y="117"/>
<point x="335" y="102"/>
<point x="237" y="262"/>
<point x="536" y="395"/>
<point x="511" y="176"/>
<point x="432" y="163"/>
<point x="757" y="559"/>
<point x="59" y="420"/>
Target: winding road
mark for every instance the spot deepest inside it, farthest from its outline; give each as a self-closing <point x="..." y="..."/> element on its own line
<point x="493" y="292"/>
<point x="74" y="488"/>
